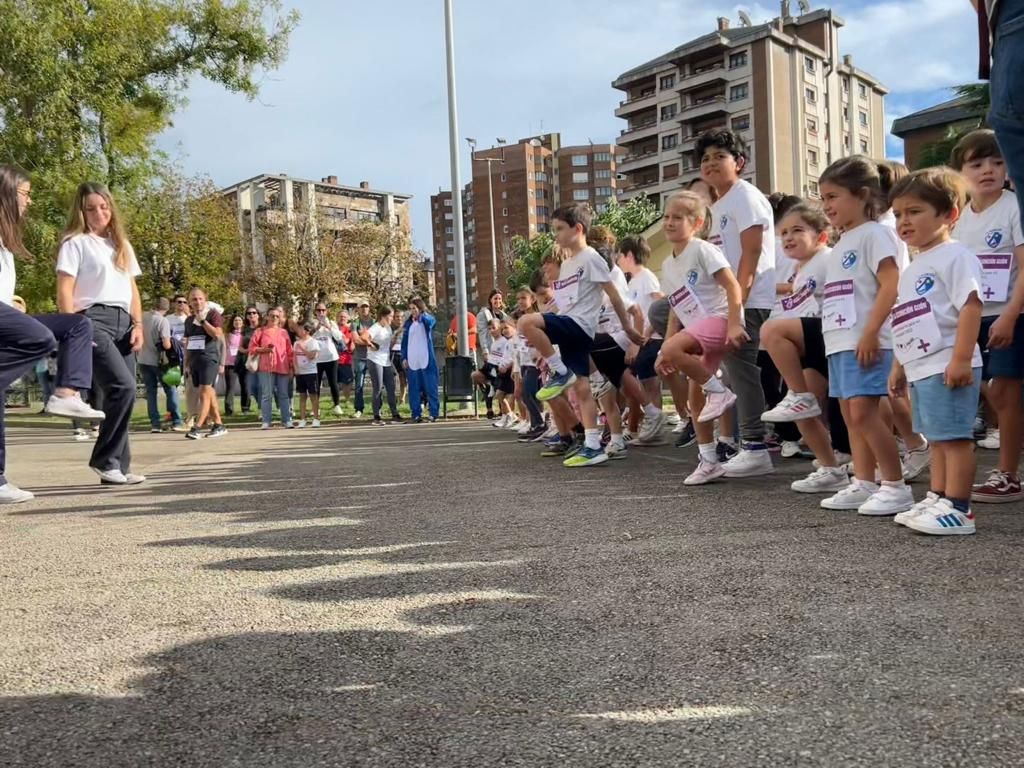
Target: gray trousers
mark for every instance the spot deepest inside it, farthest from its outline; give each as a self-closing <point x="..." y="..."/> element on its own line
<point x="743" y="376"/>
<point x="113" y="374"/>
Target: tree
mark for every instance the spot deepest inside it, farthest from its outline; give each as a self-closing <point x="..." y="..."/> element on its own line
<point x="632" y="218"/>
<point x="380" y="263"/>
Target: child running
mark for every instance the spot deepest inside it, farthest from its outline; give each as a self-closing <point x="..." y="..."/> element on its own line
<point x="990" y="227"/>
<point x="707" y="302"/>
<point x="861" y="281"/>
<point x="935" y="326"/>
<point x="582" y="279"/>
<point x="501" y="355"/>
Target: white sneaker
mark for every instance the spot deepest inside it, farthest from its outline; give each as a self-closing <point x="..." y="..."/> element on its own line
<point x="942" y="519"/>
<point x="72" y="407"/>
<point x="651" y="427"/>
<point x="264" y="426"/>
<point x="915" y="462"/>
<point x="12" y="494"/>
<point x="749" y="463"/>
<point x="822" y="480"/>
<point x="674" y="419"/>
<point x="117" y="477"/>
<point x="790" y="449"/>
<point x="500" y="422"/>
<point x="523" y="428"/>
<point x="552" y="430"/>
<point x="357" y="415"/>
<point x="301" y="424"/>
<point x="920" y="508"/>
<point x="337" y="410"/>
<point x="795" y="406"/>
<point x="841" y="459"/>
<point x="705" y="472"/>
<point x="616" y="451"/>
<point x="599" y="385"/>
<point x="888" y="500"/>
<point x="316" y="422"/>
<point x="512" y="423"/>
<point x="680" y="425"/>
<point x="81" y="436"/>
<point x="990" y="442"/>
<point x="850" y="497"/>
<point x="716" y="404"/>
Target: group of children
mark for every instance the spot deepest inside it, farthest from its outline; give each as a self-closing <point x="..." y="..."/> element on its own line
<point x="889" y="310"/>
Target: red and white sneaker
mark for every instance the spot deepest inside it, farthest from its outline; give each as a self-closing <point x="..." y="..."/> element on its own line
<point x="1000" y="488"/>
<point x="795" y="406"/>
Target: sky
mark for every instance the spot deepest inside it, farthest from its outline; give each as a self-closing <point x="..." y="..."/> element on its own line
<point x="362" y="93"/>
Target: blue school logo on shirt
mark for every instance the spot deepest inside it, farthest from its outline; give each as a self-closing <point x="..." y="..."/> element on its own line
<point x="993" y="238"/>
<point x="849" y="259"/>
<point x="924" y="284"/>
<point x="723" y="221"/>
<point x="691" y="277"/>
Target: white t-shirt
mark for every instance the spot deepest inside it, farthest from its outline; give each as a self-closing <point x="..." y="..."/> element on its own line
<point x="8" y="277"/>
<point x="381" y="336"/>
<point x="808" y="281"/>
<point x="90" y="260"/>
<point x="851" y="286"/>
<point x="306" y="355"/>
<point x="741" y="208"/>
<point x="177" y="326"/>
<point x="325" y="336"/>
<point x="994" y="231"/>
<point x="688" y="281"/>
<point x="527" y="354"/>
<point x="609" y="322"/>
<point x="417" y="350"/>
<point x="933" y="290"/>
<point x="501" y="352"/>
<point x="888" y="219"/>
<point x="642" y="287"/>
<point x="579" y="289"/>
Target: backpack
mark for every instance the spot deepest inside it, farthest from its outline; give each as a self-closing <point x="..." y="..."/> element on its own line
<point x="175" y="356"/>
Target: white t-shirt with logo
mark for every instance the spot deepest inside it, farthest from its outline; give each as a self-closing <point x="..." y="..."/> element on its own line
<point x="851" y="285"/>
<point x="609" y="322"/>
<point x="381" y="336"/>
<point x="90" y="260"/>
<point x="642" y="286"/>
<point x="688" y="281"/>
<point x="325" y="336"/>
<point x="501" y="352"/>
<point x="579" y="289"/>
<point x="808" y="281"/>
<point x="527" y="354"/>
<point x="741" y="208"/>
<point x="8" y="276"/>
<point x="933" y="290"/>
<point x="306" y="353"/>
<point x="993" y="235"/>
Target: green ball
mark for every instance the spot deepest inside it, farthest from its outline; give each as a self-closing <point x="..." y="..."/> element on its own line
<point x="172" y="376"/>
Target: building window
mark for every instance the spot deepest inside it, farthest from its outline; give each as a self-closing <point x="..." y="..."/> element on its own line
<point x="863" y="118"/>
<point x="812" y="156"/>
<point x="602" y="157"/>
<point x="580" y="177"/>
<point x="504" y="229"/>
<point x="579" y="160"/>
<point x="542" y="212"/>
<point x="448" y="217"/>
<point x="543" y="176"/>
<point x="811" y="95"/>
<point x="846" y="113"/>
<point x="670" y="171"/>
<point x="602" y="191"/>
<point x="846" y="140"/>
<point x="668" y="111"/>
<point x="603" y="173"/>
<point x="581" y="194"/>
<point x="504" y="194"/>
<point x="451" y="270"/>
<point x="672" y="140"/>
<point x="812" y="187"/>
<point x="809" y="64"/>
<point x="737" y="59"/>
<point x="449" y="230"/>
<point x="846" y="84"/>
<point x="504" y="211"/>
<point x="541" y="194"/>
<point x="862" y="90"/>
<point x="864" y="146"/>
<point x="741" y="123"/>
<point x="447" y="202"/>
<point x="738" y="92"/>
<point x="667" y="81"/>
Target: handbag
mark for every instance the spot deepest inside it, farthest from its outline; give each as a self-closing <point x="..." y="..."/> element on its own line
<point x="252" y="362"/>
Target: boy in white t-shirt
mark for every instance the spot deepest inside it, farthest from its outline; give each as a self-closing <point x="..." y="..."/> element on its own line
<point x="306" y="351"/>
<point x="935" y="329"/>
<point x="742" y="225"/>
<point x="583" y="280"/>
<point x="991" y="228"/>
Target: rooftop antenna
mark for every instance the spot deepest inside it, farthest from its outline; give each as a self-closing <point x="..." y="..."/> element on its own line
<point x="805" y="7"/>
<point x="745" y="19"/>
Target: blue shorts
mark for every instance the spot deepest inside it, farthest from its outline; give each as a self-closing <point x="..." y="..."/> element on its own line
<point x="846" y="379"/>
<point x="1005" y="363"/>
<point x="643" y="366"/>
<point x="942" y="414"/>
<point x="572" y="341"/>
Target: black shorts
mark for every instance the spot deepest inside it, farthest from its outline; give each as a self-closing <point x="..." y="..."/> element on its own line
<point x="503" y="383"/>
<point x="814" y="346"/>
<point x="609" y="358"/>
<point x="345" y="376"/>
<point x="307" y="384"/>
<point x="396" y="360"/>
<point x="643" y="366"/>
<point x="489" y="371"/>
<point x="572" y="341"/>
<point x="204" y="371"/>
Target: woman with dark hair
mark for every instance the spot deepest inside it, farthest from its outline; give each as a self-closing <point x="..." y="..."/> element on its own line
<point x="274" y="347"/>
<point x="25" y="339"/>
<point x="232" y="348"/>
<point x="378" y="364"/>
<point x="248" y="382"/>
<point x="418" y="360"/>
<point x="495" y="310"/>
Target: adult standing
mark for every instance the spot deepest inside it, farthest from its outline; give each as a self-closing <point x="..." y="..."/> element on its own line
<point x="176" y="320"/>
<point x="495" y="310"/>
<point x="419" y="361"/>
<point x="232" y="350"/>
<point x="378" y="362"/>
<point x="25" y="339"/>
<point x="248" y="383"/>
<point x="96" y="271"/>
<point x="273" y="345"/>
<point x="156" y="338"/>
<point x="204" y="335"/>
<point x="345" y="347"/>
<point x="327" y="335"/>
<point x="452" y="339"/>
<point x="362" y="324"/>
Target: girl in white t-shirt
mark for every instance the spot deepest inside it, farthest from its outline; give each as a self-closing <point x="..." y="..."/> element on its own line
<point x="861" y="280"/>
<point x="706" y="320"/>
<point x="306" y="352"/>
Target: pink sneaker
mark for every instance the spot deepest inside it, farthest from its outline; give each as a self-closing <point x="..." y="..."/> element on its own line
<point x="717" y="403"/>
<point x="705" y="473"/>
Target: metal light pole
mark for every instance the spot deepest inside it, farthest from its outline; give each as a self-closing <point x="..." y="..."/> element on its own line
<point x="453" y="148"/>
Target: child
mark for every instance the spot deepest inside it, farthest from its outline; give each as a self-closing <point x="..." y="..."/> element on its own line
<point x="990" y="227"/>
<point x="307" y="379"/>
<point x="935" y="326"/>
<point x="485" y="375"/>
<point x="794" y="340"/>
<point x="500" y="356"/>
<point x="581" y="280"/>
<point x="529" y="374"/>
<point x="741" y="225"/>
<point x="707" y="303"/>
<point x="861" y="280"/>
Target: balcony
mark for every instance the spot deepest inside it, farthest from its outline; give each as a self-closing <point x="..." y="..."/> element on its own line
<point x="636" y="104"/>
<point x="702" y="76"/>
<point x="637" y="160"/>
<point x="690" y="137"/>
<point x="639" y="131"/>
<point x="704" y="107"/>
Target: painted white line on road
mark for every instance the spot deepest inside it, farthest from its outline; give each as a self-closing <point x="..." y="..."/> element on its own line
<point x="383" y="485"/>
<point x="647" y="498"/>
<point x="669" y="715"/>
<point x="347" y="688"/>
<point x="428" y="445"/>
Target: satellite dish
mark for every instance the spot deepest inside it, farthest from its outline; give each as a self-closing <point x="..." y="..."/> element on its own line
<point x="745" y="19"/>
<point x="805" y="7"/>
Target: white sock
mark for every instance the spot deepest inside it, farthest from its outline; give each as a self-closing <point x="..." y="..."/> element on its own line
<point x="708" y="453"/>
<point x="592" y="438"/>
<point x="555" y="363"/>
<point x="651" y="411"/>
<point x="713" y="385"/>
<point x="618" y="441"/>
<point x="730" y="441"/>
<point x="894" y="484"/>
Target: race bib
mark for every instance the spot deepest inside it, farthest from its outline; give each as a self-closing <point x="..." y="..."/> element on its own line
<point x="995" y="276"/>
<point x="915" y="332"/>
<point x="196" y="342"/>
<point x="687" y="306"/>
<point x="802" y="303"/>
<point x="566" y="292"/>
<point x="232" y="349"/>
<point x="838" y="308"/>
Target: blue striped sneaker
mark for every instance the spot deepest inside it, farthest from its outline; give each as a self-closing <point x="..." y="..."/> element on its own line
<point x="942" y="519"/>
<point x="557" y="384"/>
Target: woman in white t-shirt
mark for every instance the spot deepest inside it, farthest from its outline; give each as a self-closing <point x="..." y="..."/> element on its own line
<point x="96" y="271"/>
<point x="378" y="362"/>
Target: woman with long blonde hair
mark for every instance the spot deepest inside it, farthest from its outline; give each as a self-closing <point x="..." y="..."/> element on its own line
<point x="96" y="271"/>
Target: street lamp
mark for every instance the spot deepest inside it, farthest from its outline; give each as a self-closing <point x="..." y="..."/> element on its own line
<point x="453" y="147"/>
<point x="490" y="195"/>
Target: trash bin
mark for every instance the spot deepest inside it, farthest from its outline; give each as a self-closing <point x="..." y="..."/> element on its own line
<point x="458" y="382"/>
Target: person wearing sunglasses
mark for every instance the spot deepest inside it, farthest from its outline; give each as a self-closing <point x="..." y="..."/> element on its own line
<point x="176" y="320"/>
<point x="273" y="345"/>
<point x="327" y="335"/>
<point x="248" y="383"/>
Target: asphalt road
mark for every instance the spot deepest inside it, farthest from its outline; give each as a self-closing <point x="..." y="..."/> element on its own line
<point x="439" y="596"/>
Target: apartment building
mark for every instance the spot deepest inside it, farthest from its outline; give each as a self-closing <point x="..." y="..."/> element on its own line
<point x="443" y="238"/>
<point x="783" y="85"/>
<point x="586" y="174"/>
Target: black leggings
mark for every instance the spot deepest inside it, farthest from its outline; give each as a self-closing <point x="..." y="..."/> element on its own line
<point x="331" y="370"/>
